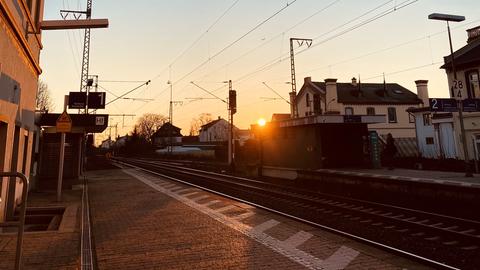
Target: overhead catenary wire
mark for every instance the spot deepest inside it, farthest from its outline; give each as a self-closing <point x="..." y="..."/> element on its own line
<point x="382" y="14"/>
<point x="178" y="57"/>
<point x="226" y="47"/>
<point x="277" y="61"/>
<point x="276" y="36"/>
<point x="276" y="93"/>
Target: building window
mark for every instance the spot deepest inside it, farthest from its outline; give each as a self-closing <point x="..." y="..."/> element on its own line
<point x="473" y="84"/>
<point x="370" y="111"/>
<point x="427" y="119"/>
<point x="392" y="115"/>
<point x="307" y="98"/>
<point x="429" y="140"/>
<point x="348" y="111"/>
<point x="411" y="117"/>
<point x="316" y="104"/>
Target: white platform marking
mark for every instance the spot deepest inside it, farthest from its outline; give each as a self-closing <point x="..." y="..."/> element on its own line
<point x="225" y="208"/>
<point x="298" y="238"/>
<point x="243" y="216"/>
<point x="265" y="226"/>
<point x="190" y="193"/>
<point x="196" y="199"/>
<point x="186" y="190"/>
<point x="339" y="260"/>
<point x="211" y="203"/>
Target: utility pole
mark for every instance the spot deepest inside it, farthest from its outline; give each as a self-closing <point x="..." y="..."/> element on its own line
<point x="232" y="109"/>
<point x="456" y="85"/>
<point x="293" y="94"/>
<point x="170" y="117"/>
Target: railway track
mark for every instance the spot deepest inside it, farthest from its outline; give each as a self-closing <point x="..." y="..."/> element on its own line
<point x="438" y="240"/>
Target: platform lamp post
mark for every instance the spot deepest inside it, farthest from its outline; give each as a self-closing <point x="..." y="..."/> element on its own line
<point x="455" y="18"/>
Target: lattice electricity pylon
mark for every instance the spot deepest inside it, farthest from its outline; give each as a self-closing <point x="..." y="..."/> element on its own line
<point x="300" y="42"/>
<point x="86" y="51"/>
<point x="86" y="42"/>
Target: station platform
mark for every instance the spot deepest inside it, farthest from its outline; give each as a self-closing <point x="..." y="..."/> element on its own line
<point x="426" y="176"/>
<point x="141" y="221"/>
<point x="52" y="249"/>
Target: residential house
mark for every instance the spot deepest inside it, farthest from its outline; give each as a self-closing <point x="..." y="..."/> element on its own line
<point x="216" y="131"/>
<point x="167" y="135"/>
<point x="355" y="98"/>
<point x="20" y="45"/>
<point x="439" y="133"/>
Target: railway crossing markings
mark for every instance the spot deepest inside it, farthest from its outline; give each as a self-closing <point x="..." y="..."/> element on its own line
<point x="288" y="248"/>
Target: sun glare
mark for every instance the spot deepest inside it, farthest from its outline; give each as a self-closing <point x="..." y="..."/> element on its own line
<point x="261" y="122"/>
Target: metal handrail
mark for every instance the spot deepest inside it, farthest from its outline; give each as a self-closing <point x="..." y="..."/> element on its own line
<point x="13" y="176"/>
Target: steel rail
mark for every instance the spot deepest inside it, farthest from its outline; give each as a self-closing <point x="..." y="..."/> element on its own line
<point x="409" y="221"/>
<point x="328" y="228"/>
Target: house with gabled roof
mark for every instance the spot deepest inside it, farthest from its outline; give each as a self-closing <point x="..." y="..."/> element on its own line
<point x="216" y="131"/>
<point x="356" y="98"/>
<point x="167" y="135"/>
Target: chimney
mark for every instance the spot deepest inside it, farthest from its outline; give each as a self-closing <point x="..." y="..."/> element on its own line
<point x="354" y="81"/>
<point x="473" y="34"/>
<point x="422" y="91"/>
<point x="331" y="101"/>
<point x="307" y="80"/>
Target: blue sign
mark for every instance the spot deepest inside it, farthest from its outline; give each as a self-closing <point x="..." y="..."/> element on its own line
<point x="352" y="118"/>
<point x="374" y="150"/>
<point x="471" y="105"/>
<point x="443" y="105"/>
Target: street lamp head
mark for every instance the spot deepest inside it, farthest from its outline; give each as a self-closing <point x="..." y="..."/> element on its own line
<point x="446" y="17"/>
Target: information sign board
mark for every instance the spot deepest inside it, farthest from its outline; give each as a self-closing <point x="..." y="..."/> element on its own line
<point x="443" y="104"/>
<point x="77" y="100"/>
<point x="471" y="105"/>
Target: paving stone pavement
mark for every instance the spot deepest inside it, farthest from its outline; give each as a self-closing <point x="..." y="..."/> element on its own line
<point x="47" y="250"/>
<point x="140" y="221"/>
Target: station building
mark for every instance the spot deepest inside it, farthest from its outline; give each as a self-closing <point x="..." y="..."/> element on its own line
<point x="20" y="45"/>
<point x="314" y="142"/>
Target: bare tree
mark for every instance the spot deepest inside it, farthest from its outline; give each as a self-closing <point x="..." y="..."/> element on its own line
<point x="198" y="122"/>
<point x="43" y="101"/>
<point x="148" y="124"/>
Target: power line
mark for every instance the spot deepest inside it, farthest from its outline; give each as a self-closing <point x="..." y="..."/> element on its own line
<point x="227" y="47"/>
<point x="236" y="41"/>
<point x="405" y="70"/>
<point x="388" y="48"/>
<point x="277" y="36"/>
<point x="276" y="61"/>
<point x="196" y="41"/>
<point x="273" y="90"/>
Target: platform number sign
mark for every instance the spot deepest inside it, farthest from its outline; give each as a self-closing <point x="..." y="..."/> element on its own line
<point x="443" y="105"/>
<point x="96" y="100"/>
<point x="457" y="89"/>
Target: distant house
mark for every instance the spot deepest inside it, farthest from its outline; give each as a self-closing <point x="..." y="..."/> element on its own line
<point x="106" y="144"/>
<point x="355" y="98"/>
<point x="166" y="135"/>
<point x="219" y="131"/>
<point x="215" y="131"/>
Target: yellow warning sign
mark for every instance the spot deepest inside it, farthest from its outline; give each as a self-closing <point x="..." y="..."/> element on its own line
<point x="64" y="123"/>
